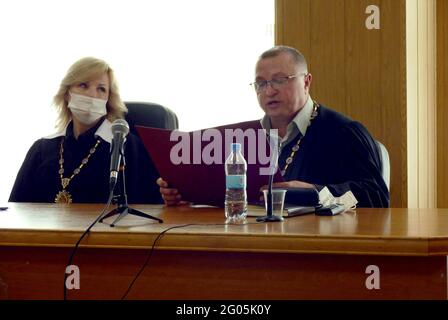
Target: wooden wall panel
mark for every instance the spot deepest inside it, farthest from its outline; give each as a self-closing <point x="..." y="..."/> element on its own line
<point x="357" y="71"/>
<point x="442" y="103"/>
<point x="392" y="123"/>
<point x="327" y="17"/>
<point x="296" y="28"/>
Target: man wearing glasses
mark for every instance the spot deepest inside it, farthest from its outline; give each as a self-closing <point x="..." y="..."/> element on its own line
<point x="318" y="147"/>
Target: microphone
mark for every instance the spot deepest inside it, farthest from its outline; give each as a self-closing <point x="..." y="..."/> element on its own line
<point x="276" y="154"/>
<point x="273" y="141"/>
<point x="120" y="130"/>
<point x="269" y="196"/>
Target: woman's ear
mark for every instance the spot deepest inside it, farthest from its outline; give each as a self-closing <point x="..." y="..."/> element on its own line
<point x="67" y="96"/>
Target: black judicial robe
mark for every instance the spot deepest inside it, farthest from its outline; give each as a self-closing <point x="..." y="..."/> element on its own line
<point x="39" y="181"/>
<point x="338" y="153"/>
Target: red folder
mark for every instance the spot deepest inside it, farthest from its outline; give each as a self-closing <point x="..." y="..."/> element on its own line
<point x="198" y="180"/>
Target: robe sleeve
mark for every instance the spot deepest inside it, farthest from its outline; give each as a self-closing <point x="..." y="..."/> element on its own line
<point x="24" y="188"/>
<point x="362" y="168"/>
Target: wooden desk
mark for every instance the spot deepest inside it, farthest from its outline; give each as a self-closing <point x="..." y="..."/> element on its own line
<point x="305" y="257"/>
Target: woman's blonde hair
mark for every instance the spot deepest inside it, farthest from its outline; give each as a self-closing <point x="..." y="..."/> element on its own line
<point x="84" y="70"/>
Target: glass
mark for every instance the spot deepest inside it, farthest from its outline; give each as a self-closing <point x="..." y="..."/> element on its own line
<point x="276" y="83"/>
<point x="278" y="201"/>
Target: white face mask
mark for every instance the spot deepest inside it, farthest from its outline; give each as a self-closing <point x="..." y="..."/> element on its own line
<point x="348" y="199"/>
<point x="86" y="110"/>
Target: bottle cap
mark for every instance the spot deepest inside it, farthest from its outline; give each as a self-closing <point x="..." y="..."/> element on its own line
<point x="236" y="147"/>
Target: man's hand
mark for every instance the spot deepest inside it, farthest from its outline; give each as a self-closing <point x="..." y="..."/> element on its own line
<point x="171" y="196"/>
<point x="288" y="184"/>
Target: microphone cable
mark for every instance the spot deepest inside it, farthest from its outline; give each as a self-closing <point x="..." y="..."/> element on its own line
<point x="72" y="255"/>
<point x="159" y="237"/>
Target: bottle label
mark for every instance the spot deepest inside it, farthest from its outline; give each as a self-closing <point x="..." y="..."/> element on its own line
<point x="236" y="181"/>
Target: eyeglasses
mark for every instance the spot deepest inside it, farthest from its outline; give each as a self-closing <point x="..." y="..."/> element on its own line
<point x="276" y="83"/>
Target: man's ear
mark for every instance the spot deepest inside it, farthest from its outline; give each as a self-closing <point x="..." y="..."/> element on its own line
<point x="308" y="79"/>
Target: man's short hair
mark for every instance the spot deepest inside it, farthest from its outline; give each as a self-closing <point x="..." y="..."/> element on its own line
<point x="295" y="54"/>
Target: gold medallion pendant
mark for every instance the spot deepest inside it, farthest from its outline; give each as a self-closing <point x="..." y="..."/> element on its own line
<point x="63" y="197"/>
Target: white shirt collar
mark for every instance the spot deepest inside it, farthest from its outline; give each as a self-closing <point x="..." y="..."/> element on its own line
<point x="302" y="118"/>
<point x="104" y="131"/>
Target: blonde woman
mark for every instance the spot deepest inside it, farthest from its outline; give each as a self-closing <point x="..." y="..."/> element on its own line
<point x="73" y="164"/>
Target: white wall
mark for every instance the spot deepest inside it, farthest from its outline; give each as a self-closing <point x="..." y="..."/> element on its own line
<point x="196" y="57"/>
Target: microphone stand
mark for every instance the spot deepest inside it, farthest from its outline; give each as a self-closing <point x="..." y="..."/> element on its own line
<point x="269" y="217"/>
<point x="121" y="200"/>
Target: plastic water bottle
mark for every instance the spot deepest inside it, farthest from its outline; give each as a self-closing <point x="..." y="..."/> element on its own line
<point x="236" y="198"/>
